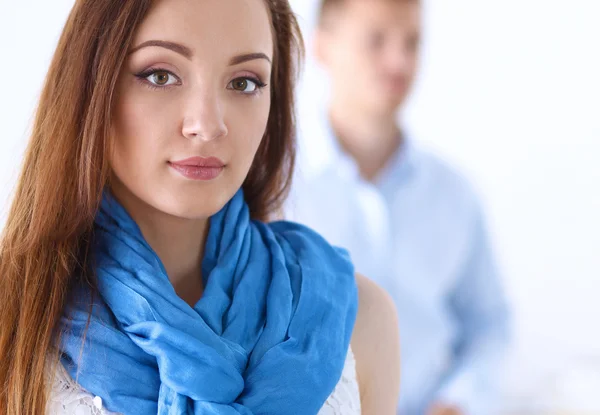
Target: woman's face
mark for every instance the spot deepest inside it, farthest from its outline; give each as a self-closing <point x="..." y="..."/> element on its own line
<point x="192" y="104"/>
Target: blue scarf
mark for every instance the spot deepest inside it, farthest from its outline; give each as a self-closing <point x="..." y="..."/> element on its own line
<point x="269" y="336"/>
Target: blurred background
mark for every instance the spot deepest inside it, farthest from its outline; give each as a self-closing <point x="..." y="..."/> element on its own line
<point x="509" y="91"/>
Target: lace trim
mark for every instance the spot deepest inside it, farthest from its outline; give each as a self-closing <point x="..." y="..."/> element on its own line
<point x="345" y="398"/>
<point x="68" y="398"/>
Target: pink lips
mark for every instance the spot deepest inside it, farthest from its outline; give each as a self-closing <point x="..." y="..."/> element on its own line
<point x="198" y="168"/>
<point x="396" y="84"/>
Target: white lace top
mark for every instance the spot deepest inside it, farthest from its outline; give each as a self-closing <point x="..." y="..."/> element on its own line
<point x="68" y="398"/>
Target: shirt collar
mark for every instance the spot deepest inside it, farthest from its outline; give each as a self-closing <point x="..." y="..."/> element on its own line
<point x="320" y="151"/>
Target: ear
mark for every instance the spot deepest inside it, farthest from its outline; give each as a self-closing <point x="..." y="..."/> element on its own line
<point x="320" y="43"/>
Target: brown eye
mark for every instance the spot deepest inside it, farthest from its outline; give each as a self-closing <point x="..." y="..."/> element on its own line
<point x="375" y="40"/>
<point x="240" y="84"/>
<point x="245" y="85"/>
<point x="161" y="78"/>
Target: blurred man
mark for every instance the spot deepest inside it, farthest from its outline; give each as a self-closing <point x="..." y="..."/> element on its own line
<point x="410" y="222"/>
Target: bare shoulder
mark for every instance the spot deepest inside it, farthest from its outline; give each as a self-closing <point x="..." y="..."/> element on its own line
<point x="376" y="346"/>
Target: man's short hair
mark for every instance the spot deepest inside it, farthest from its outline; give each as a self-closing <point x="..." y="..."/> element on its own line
<point x="326" y="6"/>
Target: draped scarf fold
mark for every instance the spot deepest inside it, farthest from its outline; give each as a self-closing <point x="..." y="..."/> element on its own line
<point x="269" y="335"/>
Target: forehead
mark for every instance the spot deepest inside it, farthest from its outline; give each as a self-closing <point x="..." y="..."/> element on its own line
<point x="381" y="14"/>
<point x="226" y="27"/>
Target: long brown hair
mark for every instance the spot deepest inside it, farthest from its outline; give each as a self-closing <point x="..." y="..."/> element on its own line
<point x="66" y="168"/>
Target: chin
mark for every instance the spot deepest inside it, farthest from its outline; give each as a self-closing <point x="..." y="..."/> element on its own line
<point x="388" y="103"/>
<point x="193" y="206"/>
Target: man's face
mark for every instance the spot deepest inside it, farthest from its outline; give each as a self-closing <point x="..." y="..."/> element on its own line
<point x="370" y="49"/>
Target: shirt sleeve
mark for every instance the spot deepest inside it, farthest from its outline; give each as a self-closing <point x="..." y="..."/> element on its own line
<point x="480" y="308"/>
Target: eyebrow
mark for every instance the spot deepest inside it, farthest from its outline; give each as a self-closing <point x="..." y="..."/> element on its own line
<point x="175" y="47"/>
<point x="187" y="52"/>
<point x="236" y="60"/>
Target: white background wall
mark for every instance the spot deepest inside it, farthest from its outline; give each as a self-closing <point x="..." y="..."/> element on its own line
<point x="510" y="91"/>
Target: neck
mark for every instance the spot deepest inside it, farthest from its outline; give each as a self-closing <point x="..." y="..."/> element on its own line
<point x="370" y="139"/>
<point x="178" y="242"/>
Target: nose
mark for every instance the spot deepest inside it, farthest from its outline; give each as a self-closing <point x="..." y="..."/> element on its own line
<point x="204" y="118"/>
<point x="398" y="57"/>
<point x="397" y="62"/>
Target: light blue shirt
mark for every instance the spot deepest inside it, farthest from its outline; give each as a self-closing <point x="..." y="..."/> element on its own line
<point x="418" y="231"/>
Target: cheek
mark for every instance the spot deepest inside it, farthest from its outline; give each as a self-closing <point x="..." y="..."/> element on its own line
<point x="247" y="127"/>
<point x="138" y="125"/>
<point x="414" y="64"/>
<point x="135" y="147"/>
<point x="360" y="64"/>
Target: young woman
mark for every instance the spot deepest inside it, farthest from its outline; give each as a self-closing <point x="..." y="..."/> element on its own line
<point x="139" y="272"/>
